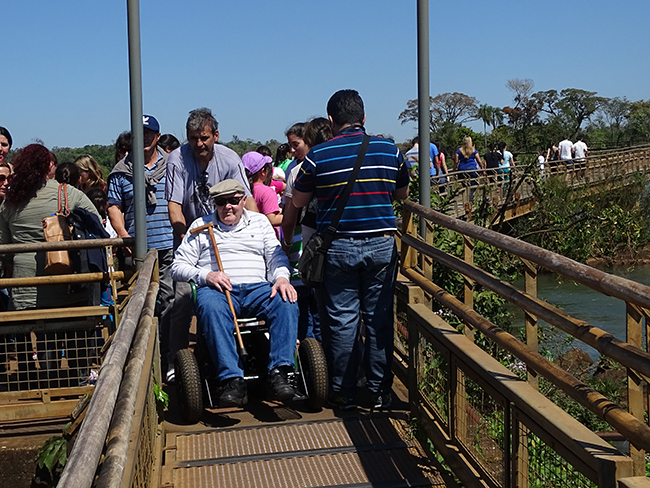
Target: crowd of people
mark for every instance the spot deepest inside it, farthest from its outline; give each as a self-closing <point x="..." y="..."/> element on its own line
<point x="262" y="207"/>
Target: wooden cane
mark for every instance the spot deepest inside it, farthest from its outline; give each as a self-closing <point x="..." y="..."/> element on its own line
<point x="243" y="354"/>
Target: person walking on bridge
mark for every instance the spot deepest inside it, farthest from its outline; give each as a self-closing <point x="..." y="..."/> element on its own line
<point x="580" y="151"/>
<point x="361" y="265"/>
<point x="566" y="154"/>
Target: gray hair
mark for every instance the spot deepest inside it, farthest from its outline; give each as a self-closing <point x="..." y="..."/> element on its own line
<point x="199" y="118"/>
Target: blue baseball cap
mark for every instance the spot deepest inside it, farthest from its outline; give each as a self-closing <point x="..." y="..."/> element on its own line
<point x="150" y="122"/>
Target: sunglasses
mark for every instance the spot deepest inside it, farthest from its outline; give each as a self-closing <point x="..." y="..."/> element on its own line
<point x="220" y="202"/>
<point x="3" y="178"/>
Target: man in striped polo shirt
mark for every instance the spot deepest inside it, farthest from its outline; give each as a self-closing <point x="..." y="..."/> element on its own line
<point x="159" y="231"/>
<point x="361" y="265"/>
<point x="256" y="272"/>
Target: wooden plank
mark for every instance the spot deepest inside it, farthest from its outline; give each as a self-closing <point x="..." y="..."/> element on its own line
<point x="53" y="313"/>
<point x="12" y="397"/>
<point x="37" y="410"/>
<point x="66" y="279"/>
<point x="531" y="319"/>
<point x="634" y="324"/>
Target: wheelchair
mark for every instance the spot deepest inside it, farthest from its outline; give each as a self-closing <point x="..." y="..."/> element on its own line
<point x="198" y="387"/>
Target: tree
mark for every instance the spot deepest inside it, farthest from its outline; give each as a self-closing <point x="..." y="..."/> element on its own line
<point x="577" y="106"/>
<point x="453" y="108"/>
<point x="489" y="115"/>
<point x="525" y="111"/>
<point x="610" y="121"/>
<point x="639" y="121"/>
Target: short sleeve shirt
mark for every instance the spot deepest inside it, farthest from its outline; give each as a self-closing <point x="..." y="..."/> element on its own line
<point x="159" y="230"/>
<point x="327" y="167"/>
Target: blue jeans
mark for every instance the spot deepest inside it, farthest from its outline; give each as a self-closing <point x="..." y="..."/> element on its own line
<point x="359" y="284"/>
<point x="308" y="321"/>
<point x="249" y="300"/>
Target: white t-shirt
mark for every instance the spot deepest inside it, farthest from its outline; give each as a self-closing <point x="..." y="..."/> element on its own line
<point x="580" y="149"/>
<point x="565" y="148"/>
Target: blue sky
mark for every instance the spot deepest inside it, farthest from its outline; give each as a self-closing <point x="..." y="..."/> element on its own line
<point x="264" y="65"/>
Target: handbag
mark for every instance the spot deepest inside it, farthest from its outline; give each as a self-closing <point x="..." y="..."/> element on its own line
<point x="312" y="261"/>
<point x="56" y="229"/>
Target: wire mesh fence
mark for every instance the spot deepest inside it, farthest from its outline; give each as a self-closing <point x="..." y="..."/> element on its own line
<point x="433" y="381"/>
<point x="542" y="467"/>
<point x="482" y="427"/>
<point x="53" y="355"/>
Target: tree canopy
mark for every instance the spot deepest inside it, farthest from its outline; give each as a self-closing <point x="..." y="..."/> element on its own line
<point x="535" y="120"/>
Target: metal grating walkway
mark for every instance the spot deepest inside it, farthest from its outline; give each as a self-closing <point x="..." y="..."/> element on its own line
<point x="365" y="450"/>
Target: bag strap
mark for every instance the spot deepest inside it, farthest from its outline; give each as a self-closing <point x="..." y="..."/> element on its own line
<point x="343" y="198"/>
<point x="63" y="208"/>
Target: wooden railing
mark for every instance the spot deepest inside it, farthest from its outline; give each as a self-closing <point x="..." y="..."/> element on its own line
<point x="117" y="445"/>
<point x="480" y="415"/>
<point x="514" y="189"/>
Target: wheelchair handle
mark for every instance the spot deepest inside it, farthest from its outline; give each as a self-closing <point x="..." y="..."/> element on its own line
<point x="243" y="354"/>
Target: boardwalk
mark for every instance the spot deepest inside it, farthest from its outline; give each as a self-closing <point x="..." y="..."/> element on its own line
<point x="514" y="192"/>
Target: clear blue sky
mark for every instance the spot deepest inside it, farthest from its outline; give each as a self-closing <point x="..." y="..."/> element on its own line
<point x="264" y="65"/>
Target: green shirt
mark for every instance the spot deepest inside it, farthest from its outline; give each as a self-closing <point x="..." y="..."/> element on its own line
<point x="23" y="224"/>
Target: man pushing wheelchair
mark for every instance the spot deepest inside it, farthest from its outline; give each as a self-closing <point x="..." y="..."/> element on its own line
<point x="254" y="278"/>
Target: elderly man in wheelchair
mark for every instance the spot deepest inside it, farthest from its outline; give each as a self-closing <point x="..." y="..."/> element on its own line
<point x="255" y="274"/>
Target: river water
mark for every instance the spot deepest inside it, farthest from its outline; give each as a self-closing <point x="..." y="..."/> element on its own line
<point x="599" y="310"/>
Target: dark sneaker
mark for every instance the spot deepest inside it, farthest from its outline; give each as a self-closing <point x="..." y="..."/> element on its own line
<point x="382" y="401"/>
<point x="234" y="393"/>
<point x="342" y="403"/>
<point x="279" y="385"/>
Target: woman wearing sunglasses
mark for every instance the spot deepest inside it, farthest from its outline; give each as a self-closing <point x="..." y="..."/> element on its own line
<point x="5" y="172"/>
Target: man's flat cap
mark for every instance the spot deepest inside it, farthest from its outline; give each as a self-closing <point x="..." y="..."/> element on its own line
<point x="226" y="187"/>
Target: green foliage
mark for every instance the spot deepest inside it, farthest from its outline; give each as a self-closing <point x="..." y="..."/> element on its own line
<point x="537" y="120"/>
<point x="581" y="224"/>
<point x="162" y="399"/>
<point x="52" y="457"/>
<point x="241" y="146"/>
<point x="104" y="155"/>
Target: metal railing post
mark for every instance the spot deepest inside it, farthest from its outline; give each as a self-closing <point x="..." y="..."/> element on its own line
<point x="423" y="105"/>
<point x="137" y="131"/>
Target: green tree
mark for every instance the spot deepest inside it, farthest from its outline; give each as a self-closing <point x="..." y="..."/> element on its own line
<point x="524" y="112"/>
<point x="577" y="106"/>
<point x="489" y="116"/>
<point x="446" y="108"/>
<point x="638" y="121"/>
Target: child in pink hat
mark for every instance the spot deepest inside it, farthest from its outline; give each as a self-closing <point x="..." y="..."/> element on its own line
<point x="259" y="169"/>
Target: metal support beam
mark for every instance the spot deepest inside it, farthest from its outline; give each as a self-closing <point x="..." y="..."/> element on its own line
<point x="423" y="107"/>
<point x="137" y="131"/>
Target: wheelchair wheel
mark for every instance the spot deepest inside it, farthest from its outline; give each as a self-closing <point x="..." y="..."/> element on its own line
<point x="314" y="366"/>
<point x="188" y="385"/>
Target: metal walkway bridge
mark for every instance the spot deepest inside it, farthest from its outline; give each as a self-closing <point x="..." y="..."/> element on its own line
<point x="463" y="418"/>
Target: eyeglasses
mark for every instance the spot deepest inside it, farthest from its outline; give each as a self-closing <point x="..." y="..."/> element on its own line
<point x="220" y="202"/>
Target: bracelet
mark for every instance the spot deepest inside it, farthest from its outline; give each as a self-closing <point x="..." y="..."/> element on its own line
<point x="285" y="243"/>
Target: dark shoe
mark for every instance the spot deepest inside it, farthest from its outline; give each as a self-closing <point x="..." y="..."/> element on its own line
<point x="382" y="401"/>
<point x="342" y="403"/>
<point x="279" y="385"/>
<point x="234" y="393"/>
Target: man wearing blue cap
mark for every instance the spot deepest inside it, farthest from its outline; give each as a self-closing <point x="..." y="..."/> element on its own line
<point x="159" y="232"/>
